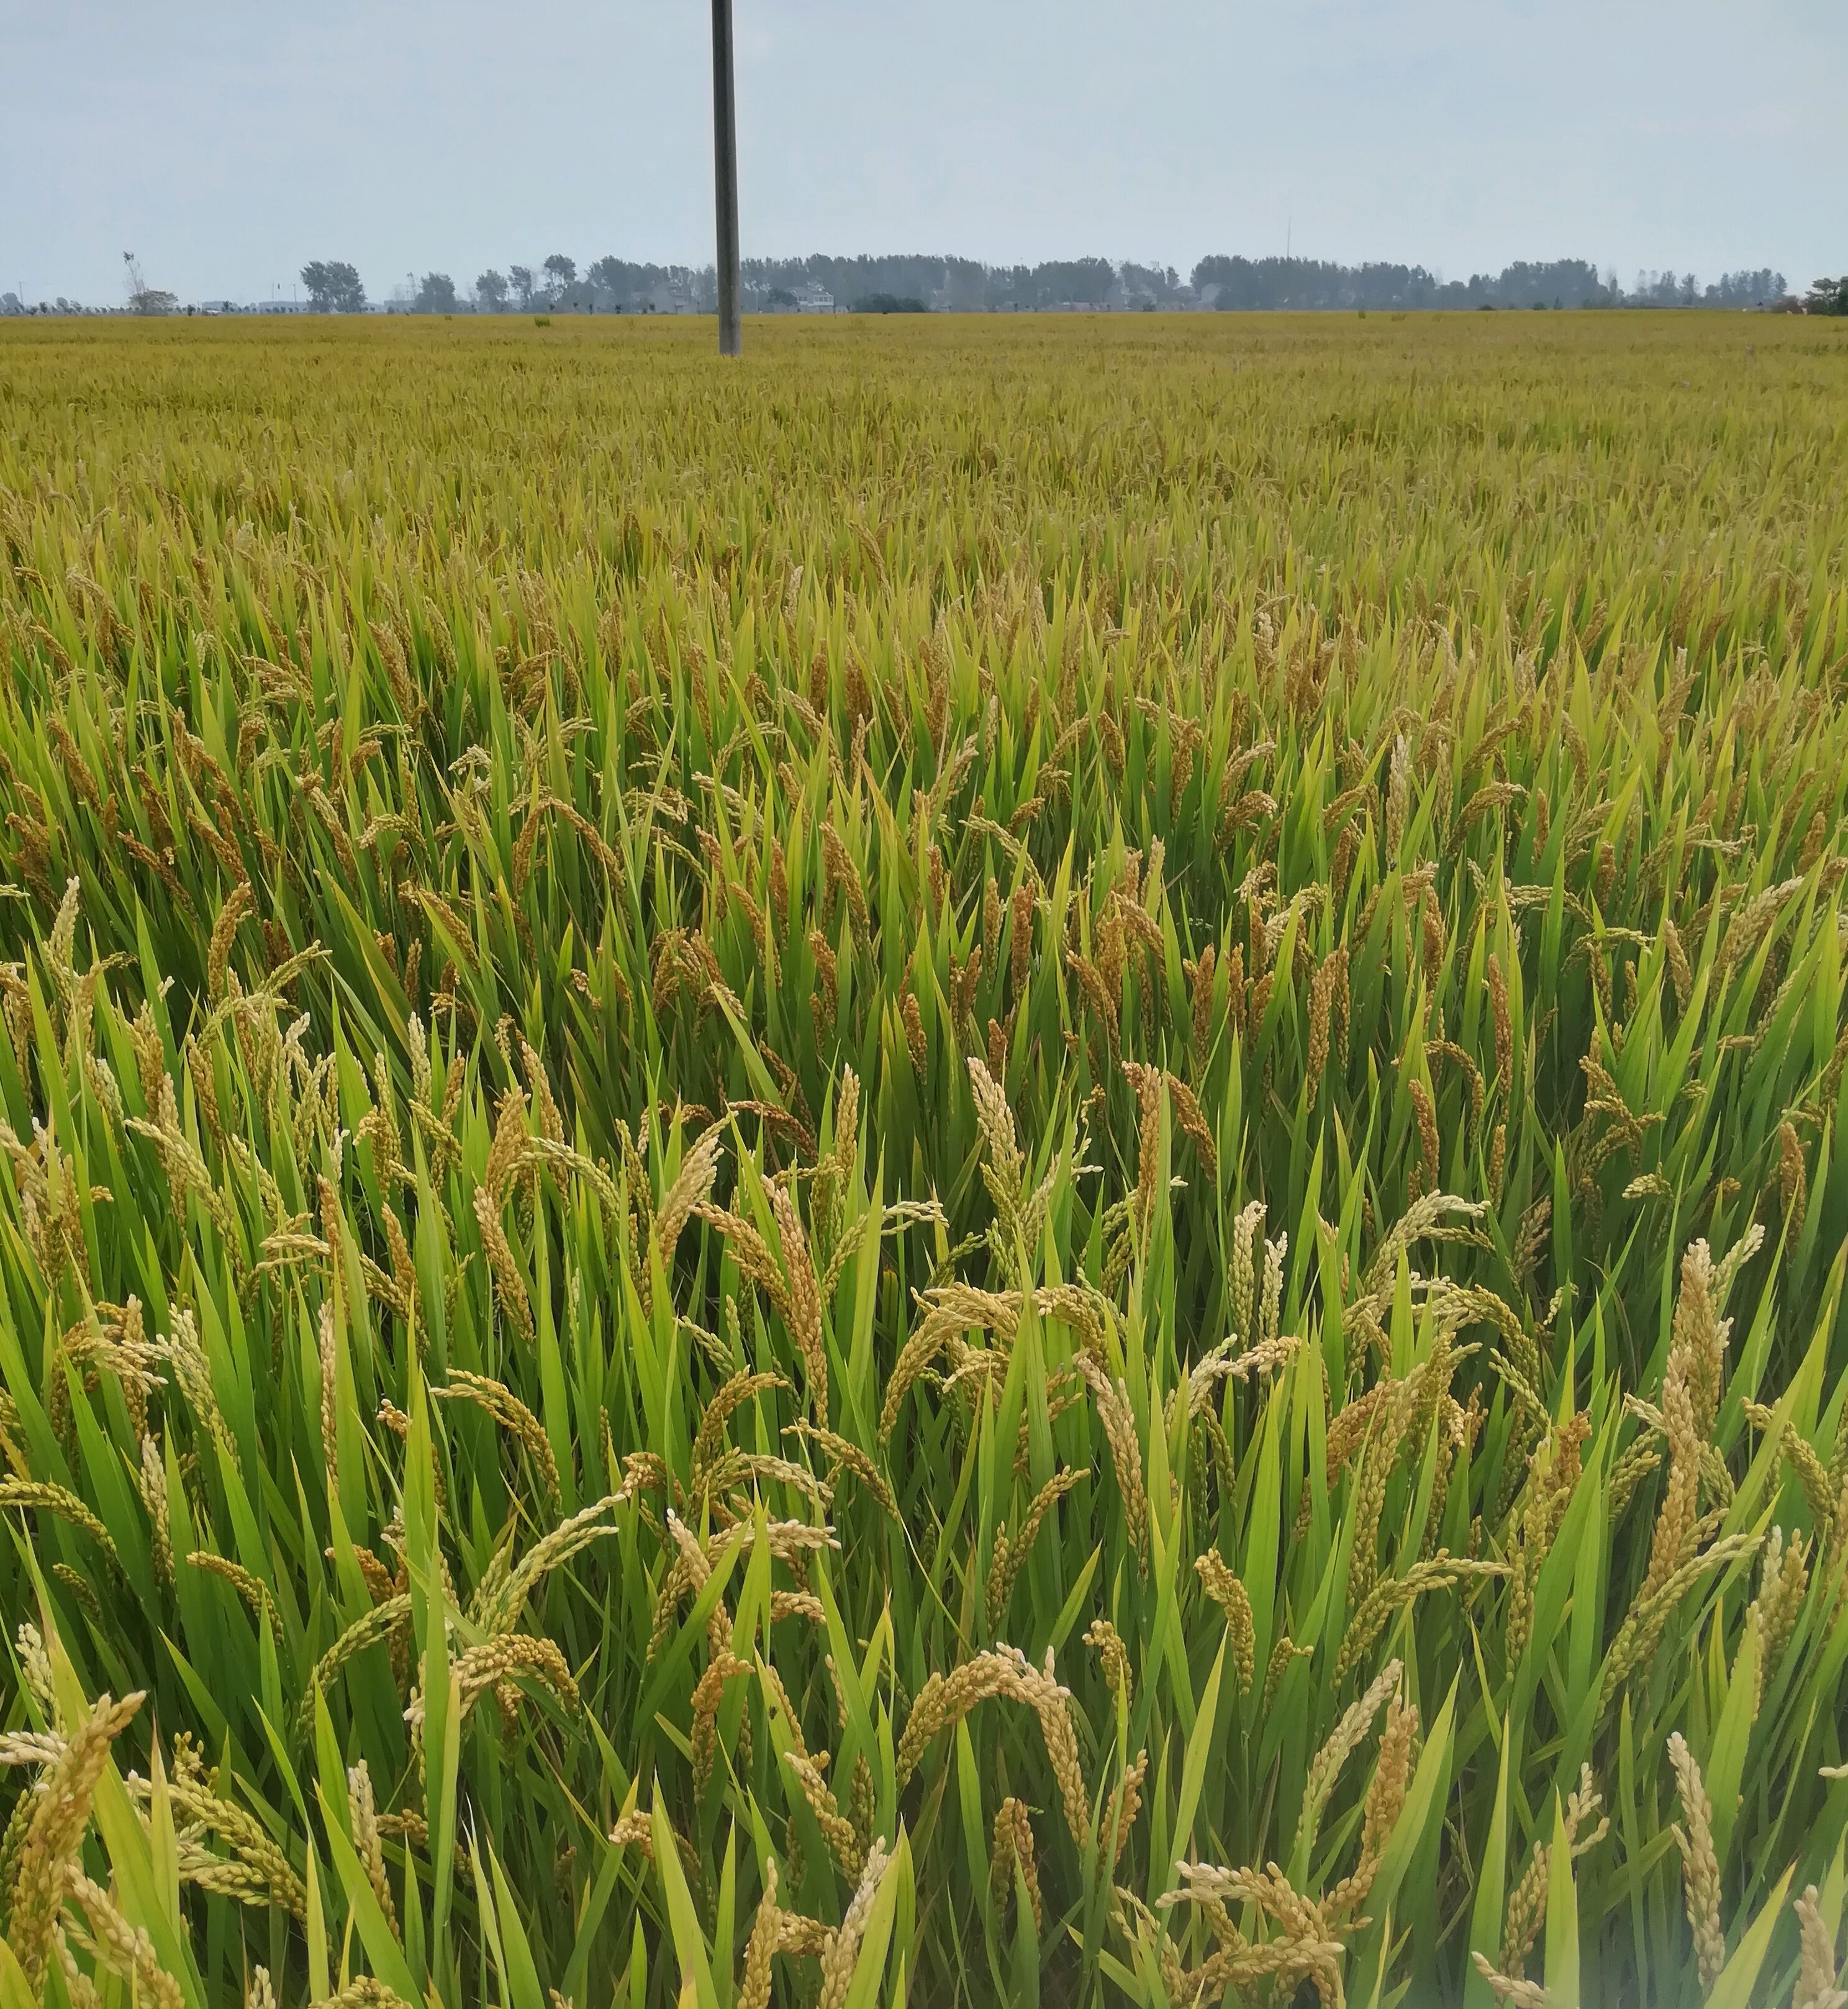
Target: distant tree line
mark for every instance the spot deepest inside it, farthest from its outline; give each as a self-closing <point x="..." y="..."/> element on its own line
<point x="918" y="282"/>
<point x="1302" y="283"/>
<point x="621" y="286"/>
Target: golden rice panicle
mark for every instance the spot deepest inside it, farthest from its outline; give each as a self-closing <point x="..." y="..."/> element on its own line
<point x="805" y="1299"/>
<point x="60" y="1814"/>
<point x="1321" y="1010"/>
<point x="1504" y="1028"/>
<point x="1246" y="1232"/>
<point x="1020" y="940"/>
<point x="152" y="1482"/>
<point x="827" y="981"/>
<point x="1792" y="1180"/>
<point x="1818" y="1985"/>
<point x="1191" y="1119"/>
<point x="513" y="1415"/>
<point x="633" y="1829"/>
<point x="1783" y="1580"/>
<point x="35" y="1668"/>
<point x="509" y="1285"/>
<point x="754" y="1984"/>
<point x="1700" y="1866"/>
<point x="1200" y="975"/>
<point x="944" y="1700"/>
<point x="1147" y="1082"/>
<point x="364" y="1820"/>
<point x="330" y="1397"/>
<point x="1398" y="796"/>
<point x="1691" y="1396"/>
<point x="1679" y="972"/>
<point x="915" y="1040"/>
<point x="1385" y="1801"/>
<point x="1512" y="1989"/>
<point x="1230" y="1595"/>
<point x="691" y="1189"/>
<point x="1126" y="1803"/>
<point x="1039" y="1687"/>
<point x="708" y="1694"/>
<point x="1271" y="1311"/>
<point x="1103" y="1638"/>
<point x="1118" y="1419"/>
<point x="995" y="1120"/>
<point x="1013" y="1847"/>
<point x="1430" y="1151"/>
<point x="842" y="1950"/>
<point x="837" y="1830"/>
<point x="1343" y="1741"/>
<point x="123" y="1948"/>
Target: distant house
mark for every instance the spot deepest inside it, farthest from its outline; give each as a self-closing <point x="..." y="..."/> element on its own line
<point x="219" y="307"/>
<point x="814" y="298"/>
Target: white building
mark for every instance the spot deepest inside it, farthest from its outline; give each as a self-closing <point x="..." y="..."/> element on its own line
<point x="812" y="297"/>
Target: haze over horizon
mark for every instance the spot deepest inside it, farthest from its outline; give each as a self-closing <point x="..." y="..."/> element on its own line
<point x="226" y="145"/>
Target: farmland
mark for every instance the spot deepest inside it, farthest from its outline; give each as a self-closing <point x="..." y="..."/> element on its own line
<point x="995" y="1163"/>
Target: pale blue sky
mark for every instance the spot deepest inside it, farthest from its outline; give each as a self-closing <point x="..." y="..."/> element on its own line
<point x="227" y="141"/>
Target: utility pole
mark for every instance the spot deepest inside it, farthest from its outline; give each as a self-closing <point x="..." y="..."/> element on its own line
<point x="724" y="146"/>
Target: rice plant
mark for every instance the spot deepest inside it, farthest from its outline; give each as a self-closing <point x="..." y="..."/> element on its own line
<point x="999" y="1167"/>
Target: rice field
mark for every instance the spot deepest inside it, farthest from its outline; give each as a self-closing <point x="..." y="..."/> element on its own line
<point x="996" y="1163"/>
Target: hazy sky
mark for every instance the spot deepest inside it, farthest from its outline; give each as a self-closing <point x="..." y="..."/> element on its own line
<point x="228" y="141"/>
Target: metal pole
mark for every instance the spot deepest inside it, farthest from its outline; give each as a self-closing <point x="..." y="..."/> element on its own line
<point x="724" y="137"/>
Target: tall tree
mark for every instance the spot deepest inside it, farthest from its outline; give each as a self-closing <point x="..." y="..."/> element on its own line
<point x="491" y="292"/>
<point x="436" y="294"/>
<point x="562" y="271"/>
<point x="521" y="276"/>
<point x="144" y="299"/>
<point x="333" y="287"/>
